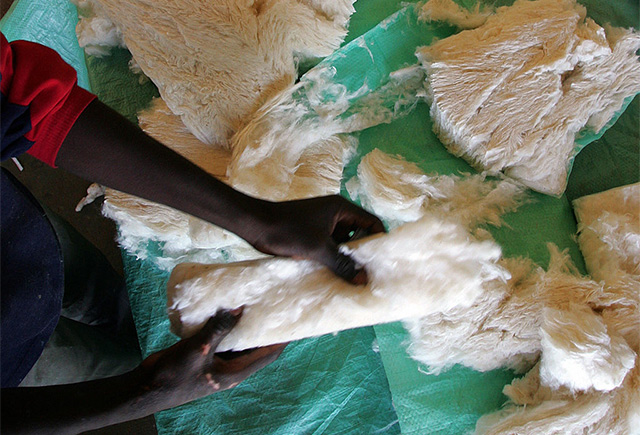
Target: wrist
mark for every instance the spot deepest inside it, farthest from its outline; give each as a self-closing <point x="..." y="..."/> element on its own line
<point x="255" y="224"/>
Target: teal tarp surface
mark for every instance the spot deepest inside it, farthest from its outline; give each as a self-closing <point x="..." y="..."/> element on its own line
<point x="358" y="381"/>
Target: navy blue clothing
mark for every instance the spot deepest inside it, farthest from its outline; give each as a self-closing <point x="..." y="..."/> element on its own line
<point x="31" y="281"/>
<point x="39" y="103"/>
<point x="16" y="123"/>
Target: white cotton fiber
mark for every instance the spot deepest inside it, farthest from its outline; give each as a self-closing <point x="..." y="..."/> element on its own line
<point x="399" y="191"/>
<point x="588" y="378"/>
<point x="215" y="63"/>
<point x="97" y="34"/>
<point x="580" y="353"/>
<point x="609" y="232"/>
<point x="420" y="268"/>
<point x="512" y="94"/>
<point x="304" y="129"/>
<point x="560" y="412"/>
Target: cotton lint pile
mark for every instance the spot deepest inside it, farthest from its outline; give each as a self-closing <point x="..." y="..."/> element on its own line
<point x="512" y="94"/>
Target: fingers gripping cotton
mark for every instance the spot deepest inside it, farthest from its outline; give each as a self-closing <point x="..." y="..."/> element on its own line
<point x="512" y="94"/>
<point x="420" y="268"/>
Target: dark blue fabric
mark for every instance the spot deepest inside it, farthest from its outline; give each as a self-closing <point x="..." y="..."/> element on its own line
<point x="15" y="122"/>
<point x="31" y="280"/>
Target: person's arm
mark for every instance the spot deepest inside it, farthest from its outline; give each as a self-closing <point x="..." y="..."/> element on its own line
<point x="186" y="371"/>
<point x="105" y="147"/>
<point x="46" y="114"/>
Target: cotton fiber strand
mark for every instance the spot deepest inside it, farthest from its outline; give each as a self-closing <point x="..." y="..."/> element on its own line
<point x="512" y="94"/>
<point x="420" y="268"/>
<point x="399" y="191"/>
<point x="215" y="63"/>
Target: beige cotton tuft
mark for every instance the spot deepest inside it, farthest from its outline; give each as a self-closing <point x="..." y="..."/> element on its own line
<point x="422" y="267"/>
<point x="399" y="191"/>
<point x="609" y="232"/>
<point x="215" y="63"/>
<point x="512" y="94"/>
<point x="588" y="378"/>
<point x="451" y="12"/>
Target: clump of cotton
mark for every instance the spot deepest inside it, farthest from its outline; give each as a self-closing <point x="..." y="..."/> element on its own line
<point x="512" y="94"/>
<point x="306" y="126"/>
<point x="422" y="267"/>
<point x="97" y="34"/>
<point x="399" y="191"/>
<point x="609" y="231"/>
<point x="588" y="376"/>
<point x="215" y="63"/>
<point x="580" y="353"/>
<point x="447" y="10"/>
<point x="504" y="327"/>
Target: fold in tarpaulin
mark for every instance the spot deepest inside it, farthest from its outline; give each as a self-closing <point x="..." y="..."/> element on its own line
<point x="358" y="381"/>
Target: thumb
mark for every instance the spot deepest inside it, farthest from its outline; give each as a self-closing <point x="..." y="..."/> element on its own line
<point x="219" y="326"/>
<point x="342" y="265"/>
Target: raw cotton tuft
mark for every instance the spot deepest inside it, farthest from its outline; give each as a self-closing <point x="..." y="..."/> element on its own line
<point x="420" y="268"/>
<point x="451" y="12"/>
<point x="512" y="94"/>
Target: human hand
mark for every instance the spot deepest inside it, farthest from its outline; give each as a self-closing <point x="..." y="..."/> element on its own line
<point x="190" y="369"/>
<point x="313" y="228"/>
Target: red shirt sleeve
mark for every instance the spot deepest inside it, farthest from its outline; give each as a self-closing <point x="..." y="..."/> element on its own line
<point x="36" y="77"/>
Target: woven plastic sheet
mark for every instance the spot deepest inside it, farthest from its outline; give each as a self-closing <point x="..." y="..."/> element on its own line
<point x="330" y="384"/>
<point x="358" y="381"/>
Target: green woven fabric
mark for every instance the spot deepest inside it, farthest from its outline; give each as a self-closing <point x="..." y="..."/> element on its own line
<point x="330" y="384"/>
<point x="453" y="401"/>
<point x="358" y="381"/>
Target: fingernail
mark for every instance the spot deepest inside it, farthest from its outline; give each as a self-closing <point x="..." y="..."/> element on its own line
<point x="236" y="311"/>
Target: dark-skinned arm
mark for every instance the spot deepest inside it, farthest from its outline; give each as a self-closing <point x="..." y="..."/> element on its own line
<point x="105" y="147"/>
<point x="186" y="371"/>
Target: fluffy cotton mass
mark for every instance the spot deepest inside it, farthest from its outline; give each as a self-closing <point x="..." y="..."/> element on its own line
<point x="578" y="338"/>
<point x="215" y="63"/>
<point x="419" y="268"/>
<point x="511" y="94"/>
<point x="588" y="376"/>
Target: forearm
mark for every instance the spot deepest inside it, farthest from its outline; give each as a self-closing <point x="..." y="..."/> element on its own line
<point x="186" y="371"/>
<point x="74" y="408"/>
<point x="104" y="147"/>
